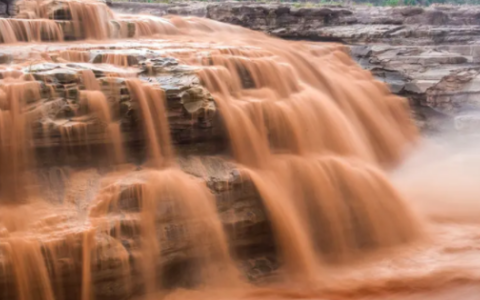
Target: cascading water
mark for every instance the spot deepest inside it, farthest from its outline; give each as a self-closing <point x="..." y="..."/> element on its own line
<point x="311" y="131"/>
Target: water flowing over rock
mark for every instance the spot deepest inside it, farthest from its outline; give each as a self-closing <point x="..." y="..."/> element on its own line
<point x="415" y="50"/>
<point x="152" y="154"/>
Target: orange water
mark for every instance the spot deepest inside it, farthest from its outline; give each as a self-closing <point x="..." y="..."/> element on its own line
<point x="320" y="139"/>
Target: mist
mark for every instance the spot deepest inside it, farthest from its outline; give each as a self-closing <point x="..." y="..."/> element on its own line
<point x="441" y="180"/>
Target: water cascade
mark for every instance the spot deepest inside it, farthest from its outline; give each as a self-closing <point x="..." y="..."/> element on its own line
<point x="308" y="129"/>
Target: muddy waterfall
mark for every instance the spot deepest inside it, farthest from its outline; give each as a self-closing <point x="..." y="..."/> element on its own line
<point x="179" y="157"/>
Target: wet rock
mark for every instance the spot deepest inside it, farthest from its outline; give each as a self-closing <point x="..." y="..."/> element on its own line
<point x="238" y="203"/>
<point x="191" y="110"/>
<point x="116" y="245"/>
<point x="57" y="75"/>
<point x="106" y="70"/>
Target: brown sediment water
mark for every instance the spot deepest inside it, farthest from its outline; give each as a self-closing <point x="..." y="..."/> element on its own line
<point x="97" y="103"/>
<point x="75" y="55"/>
<point x="314" y="134"/>
<point x="116" y="59"/>
<point x="91" y="84"/>
<point x="152" y="109"/>
<point x="30" y="30"/>
<point x="14" y="136"/>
